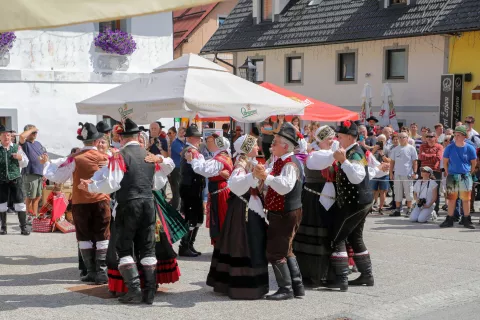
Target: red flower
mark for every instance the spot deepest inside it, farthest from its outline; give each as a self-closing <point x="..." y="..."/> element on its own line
<point x="347" y="124"/>
<point x="300" y="135"/>
<point x="79" y="131"/>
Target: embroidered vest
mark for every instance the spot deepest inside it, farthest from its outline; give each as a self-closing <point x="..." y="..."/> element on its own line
<point x="349" y="194"/>
<point x="292" y="200"/>
<point x="9" y="167"/>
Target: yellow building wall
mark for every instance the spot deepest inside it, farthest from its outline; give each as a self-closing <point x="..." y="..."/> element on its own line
<point x="465" y="58"/>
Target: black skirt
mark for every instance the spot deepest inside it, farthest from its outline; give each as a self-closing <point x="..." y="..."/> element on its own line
<point x="312" y="244"/>
<point x="239" y="265"/>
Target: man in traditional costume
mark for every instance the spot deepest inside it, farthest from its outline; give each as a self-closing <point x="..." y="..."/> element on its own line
<point x="191" y="188"/>
<point x="12" y="161"/>
<point x="312" y="245"/>
<point x="91" y="212"/>
<point x="131" y="175"/>
<point x="354" y="199"/>
<point x="239" y="265"/>
<point x="283" y="202"/>
<point x="213" y="169"/>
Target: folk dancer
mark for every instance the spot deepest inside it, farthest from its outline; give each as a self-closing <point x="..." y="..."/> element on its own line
<point x="354" y="199"/>
<point x="191" y="188"/>
<point x="12" y="161"/>
<point x="91" y="212"/>
<point x="283" y="202"/>
<point x="239" y="265"/>
<point x="312" y="241"/>
<point x="135" y="214"/>
<point x="214" y="169"/>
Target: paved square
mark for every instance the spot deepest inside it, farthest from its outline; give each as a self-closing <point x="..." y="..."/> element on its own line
<point x="421" y="272"/>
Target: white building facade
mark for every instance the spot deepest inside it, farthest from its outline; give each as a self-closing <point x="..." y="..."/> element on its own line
<point x="48" y="71"/>
<point x="316" y="70"/>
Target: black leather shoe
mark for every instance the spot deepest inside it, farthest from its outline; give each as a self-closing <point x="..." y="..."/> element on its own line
<point x="467" y="222"/>
<point x="447" y="223"/>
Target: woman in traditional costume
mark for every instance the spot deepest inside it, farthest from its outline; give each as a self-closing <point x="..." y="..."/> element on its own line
<point x="170" y="227"/>
<point x="312" y="243"/>
<point x="239" y="266"/>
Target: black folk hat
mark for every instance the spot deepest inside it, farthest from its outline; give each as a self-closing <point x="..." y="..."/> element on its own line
<point x="104" y="127"/>
<point x="130" y="128"/>
<point x="289" y="132"/>
<point x="192" y="131"/>
<point x="348" y="127"/>
<point x="88" y="132"/>
<point x="373" y="118"/>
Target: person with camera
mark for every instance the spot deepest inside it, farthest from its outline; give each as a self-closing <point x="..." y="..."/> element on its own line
<point x="431" y="155"/>
<point x="425" y="194"/>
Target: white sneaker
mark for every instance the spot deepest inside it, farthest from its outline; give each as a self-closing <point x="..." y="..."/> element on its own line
<point x="434" y="216"/>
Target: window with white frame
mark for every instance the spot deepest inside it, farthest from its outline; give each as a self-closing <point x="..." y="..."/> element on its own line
<point x="396" y="64"/>
<point x="294" y="66"/>
<point x="346" y="66"/>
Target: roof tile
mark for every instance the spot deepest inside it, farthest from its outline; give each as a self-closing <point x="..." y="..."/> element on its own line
<point x="342" y="21"/>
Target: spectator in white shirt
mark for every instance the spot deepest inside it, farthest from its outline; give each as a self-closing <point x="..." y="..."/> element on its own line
<point x="439" y="132"/>
<point x="404" y="163"/>
<point x="425" y="193"/>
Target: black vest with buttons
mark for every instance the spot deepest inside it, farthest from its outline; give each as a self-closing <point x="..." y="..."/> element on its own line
<point x="137" y="182"/>
<point x="188" y="177"/>
<point x="349" y="194"/>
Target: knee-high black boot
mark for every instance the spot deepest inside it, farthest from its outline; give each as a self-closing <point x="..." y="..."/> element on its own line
<point x="341" y="270"/>
<point x="284" y="281"/>
<point x="131" y="278"/>
<point x="150" y="287"/>
<point x="184" y="249"/>
<point x="297" y="283"/>
<point x="81" y="265"/>
<point x="88" y="256"/>
<point x="3" y="217"/>
<point x="22" y="219"/>
<point x="101" y="276"/>
<point x="192" y="241"/>
<point x="364" y="265"/>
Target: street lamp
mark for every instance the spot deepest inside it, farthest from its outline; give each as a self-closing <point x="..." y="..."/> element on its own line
<point x="248" y="70"/>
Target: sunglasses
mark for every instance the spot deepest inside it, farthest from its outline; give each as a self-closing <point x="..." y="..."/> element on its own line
<point x="35" y="132"/>
<point x="466" y="121"/>
<point x="430" y="136"/>
<point x="169" y="133"/>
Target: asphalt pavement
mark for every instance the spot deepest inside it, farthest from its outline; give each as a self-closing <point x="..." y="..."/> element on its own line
<point x="421" y="272"/>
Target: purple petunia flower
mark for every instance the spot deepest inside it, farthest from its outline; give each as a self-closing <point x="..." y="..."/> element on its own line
<point x="6" y="41"/>
<point x="117" y="42"/>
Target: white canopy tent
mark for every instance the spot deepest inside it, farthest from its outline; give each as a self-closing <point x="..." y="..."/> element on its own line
<point x="185" y="87"/>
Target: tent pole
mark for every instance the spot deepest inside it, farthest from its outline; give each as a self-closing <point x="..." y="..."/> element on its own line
<point x="232" y="132"/>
